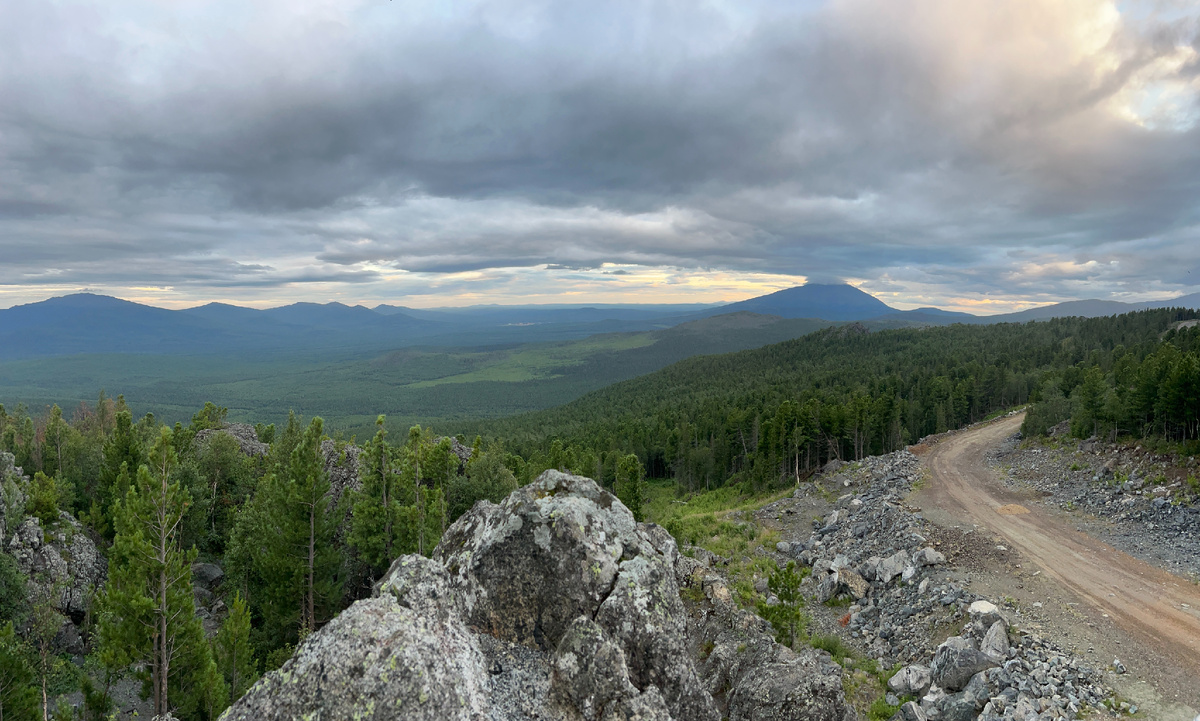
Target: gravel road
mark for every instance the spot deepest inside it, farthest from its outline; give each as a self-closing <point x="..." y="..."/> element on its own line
<point x="1156" y="612"/>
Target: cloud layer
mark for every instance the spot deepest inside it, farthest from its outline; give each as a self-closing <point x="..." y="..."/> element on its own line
<point x="960" y="152"/>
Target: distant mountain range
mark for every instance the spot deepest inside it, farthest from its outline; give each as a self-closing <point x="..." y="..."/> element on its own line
<point x="88" y="323"/>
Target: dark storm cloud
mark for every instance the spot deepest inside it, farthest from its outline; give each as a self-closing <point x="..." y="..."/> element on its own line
<point x="1005" y="146"/>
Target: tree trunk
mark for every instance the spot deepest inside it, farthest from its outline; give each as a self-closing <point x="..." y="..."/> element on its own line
<point x="311" y="621"/>
<point x="387" y="510"/>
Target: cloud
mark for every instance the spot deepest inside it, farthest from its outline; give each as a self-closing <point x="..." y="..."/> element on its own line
<point x="1020" y="149"/>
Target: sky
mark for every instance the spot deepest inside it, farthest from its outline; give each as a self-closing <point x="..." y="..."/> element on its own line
<point x="977" y="155"/>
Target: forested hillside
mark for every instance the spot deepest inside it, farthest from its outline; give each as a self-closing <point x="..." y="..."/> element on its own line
<point x="298" y="521"/>
<point x="777" y="412"/>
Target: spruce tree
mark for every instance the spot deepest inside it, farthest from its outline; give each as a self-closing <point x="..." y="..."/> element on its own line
<point x="381" y="520"/>
<point x="288" y="534"/>
<point x="235" y="657"/>
<point x="629" y="484"/>
<point x="148" y="611"/>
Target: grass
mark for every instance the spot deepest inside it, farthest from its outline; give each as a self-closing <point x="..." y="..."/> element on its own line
<point x="720" y="521"/>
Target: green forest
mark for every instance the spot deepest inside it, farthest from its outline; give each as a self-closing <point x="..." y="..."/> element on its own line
<point x="297" y="545"/>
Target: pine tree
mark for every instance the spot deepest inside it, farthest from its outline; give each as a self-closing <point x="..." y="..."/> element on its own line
<point x="787" y="616"/>
<point x="149" y="614"/>
<point x="44" y="624"/>
<point x="235" y="657"/>
<point x="629" y="484"/>
<point x="18" y="694"/>
<point x="43" y="499"/>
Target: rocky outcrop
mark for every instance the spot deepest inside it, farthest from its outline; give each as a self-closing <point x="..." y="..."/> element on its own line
<point x="341" y="463"/>
<point x="461" y="452"/>
<point x="243" y="433"/>
<point x="63" y="558"/>
<point x="555" y="604"/>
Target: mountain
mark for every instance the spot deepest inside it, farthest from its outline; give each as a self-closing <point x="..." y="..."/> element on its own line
<point x="814" y="300"/>
<point x="1086" y="309"/>
<point x="1185" y="301"/>
<point x="88" y="323"/>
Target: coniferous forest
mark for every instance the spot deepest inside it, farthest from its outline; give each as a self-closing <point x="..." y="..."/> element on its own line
<point x="297" y="543"/>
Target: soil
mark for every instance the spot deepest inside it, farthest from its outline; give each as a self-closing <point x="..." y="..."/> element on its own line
<point x="1084" y="594"/>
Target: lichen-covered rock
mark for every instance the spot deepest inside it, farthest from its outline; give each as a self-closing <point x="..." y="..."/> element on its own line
<point x="527" y="568"/>
<point x="376" y="660"/>
<point x="243" y="433"/>
<point x="769" y="682"/>
<point x="591" y="678"/>
<point x="63" y="557"/>
<point x="561" y="548"/>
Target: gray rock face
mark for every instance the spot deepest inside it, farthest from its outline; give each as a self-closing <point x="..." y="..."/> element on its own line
<point x="65" y="558"/>
<point x="243" y="433"/>
<point x="591" y="678"/>
<point x="928" y="557"/>
<point x="891" y="567"/>
<point x="557" y="591"/>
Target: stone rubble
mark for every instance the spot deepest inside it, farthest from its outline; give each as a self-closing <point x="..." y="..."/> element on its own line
<point x="875" y="553"/>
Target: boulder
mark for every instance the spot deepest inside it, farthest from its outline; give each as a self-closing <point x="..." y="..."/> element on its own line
<point x="928" y="557"/>
<point x="956" y="707"/>
<point x="985" y="612"/>
<point x="891" y="567"/>
<point x="591" y="678"/>
<point x="956" y="661"/>
<point x="561" y="548"/>
<point x="910" y="711"/>
<point x="855" y="584"/>
<point x="63" y="557"/>
<point x="911" y="680"/>
<point x="995" y="642"/>
<point x="769" y="682"/>
<point x="207" y="575"/>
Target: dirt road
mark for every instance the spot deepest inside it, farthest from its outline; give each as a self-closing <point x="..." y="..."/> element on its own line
<point x="1156" y="612"/>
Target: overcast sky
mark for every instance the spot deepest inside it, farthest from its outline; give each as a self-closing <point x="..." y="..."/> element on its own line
<point x="981" y="155"/>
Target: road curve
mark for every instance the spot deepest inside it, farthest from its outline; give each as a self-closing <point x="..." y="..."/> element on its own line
<point x="1154" y="607"/>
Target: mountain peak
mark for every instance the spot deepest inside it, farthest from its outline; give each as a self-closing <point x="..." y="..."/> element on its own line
<point x="827" y="301"/>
